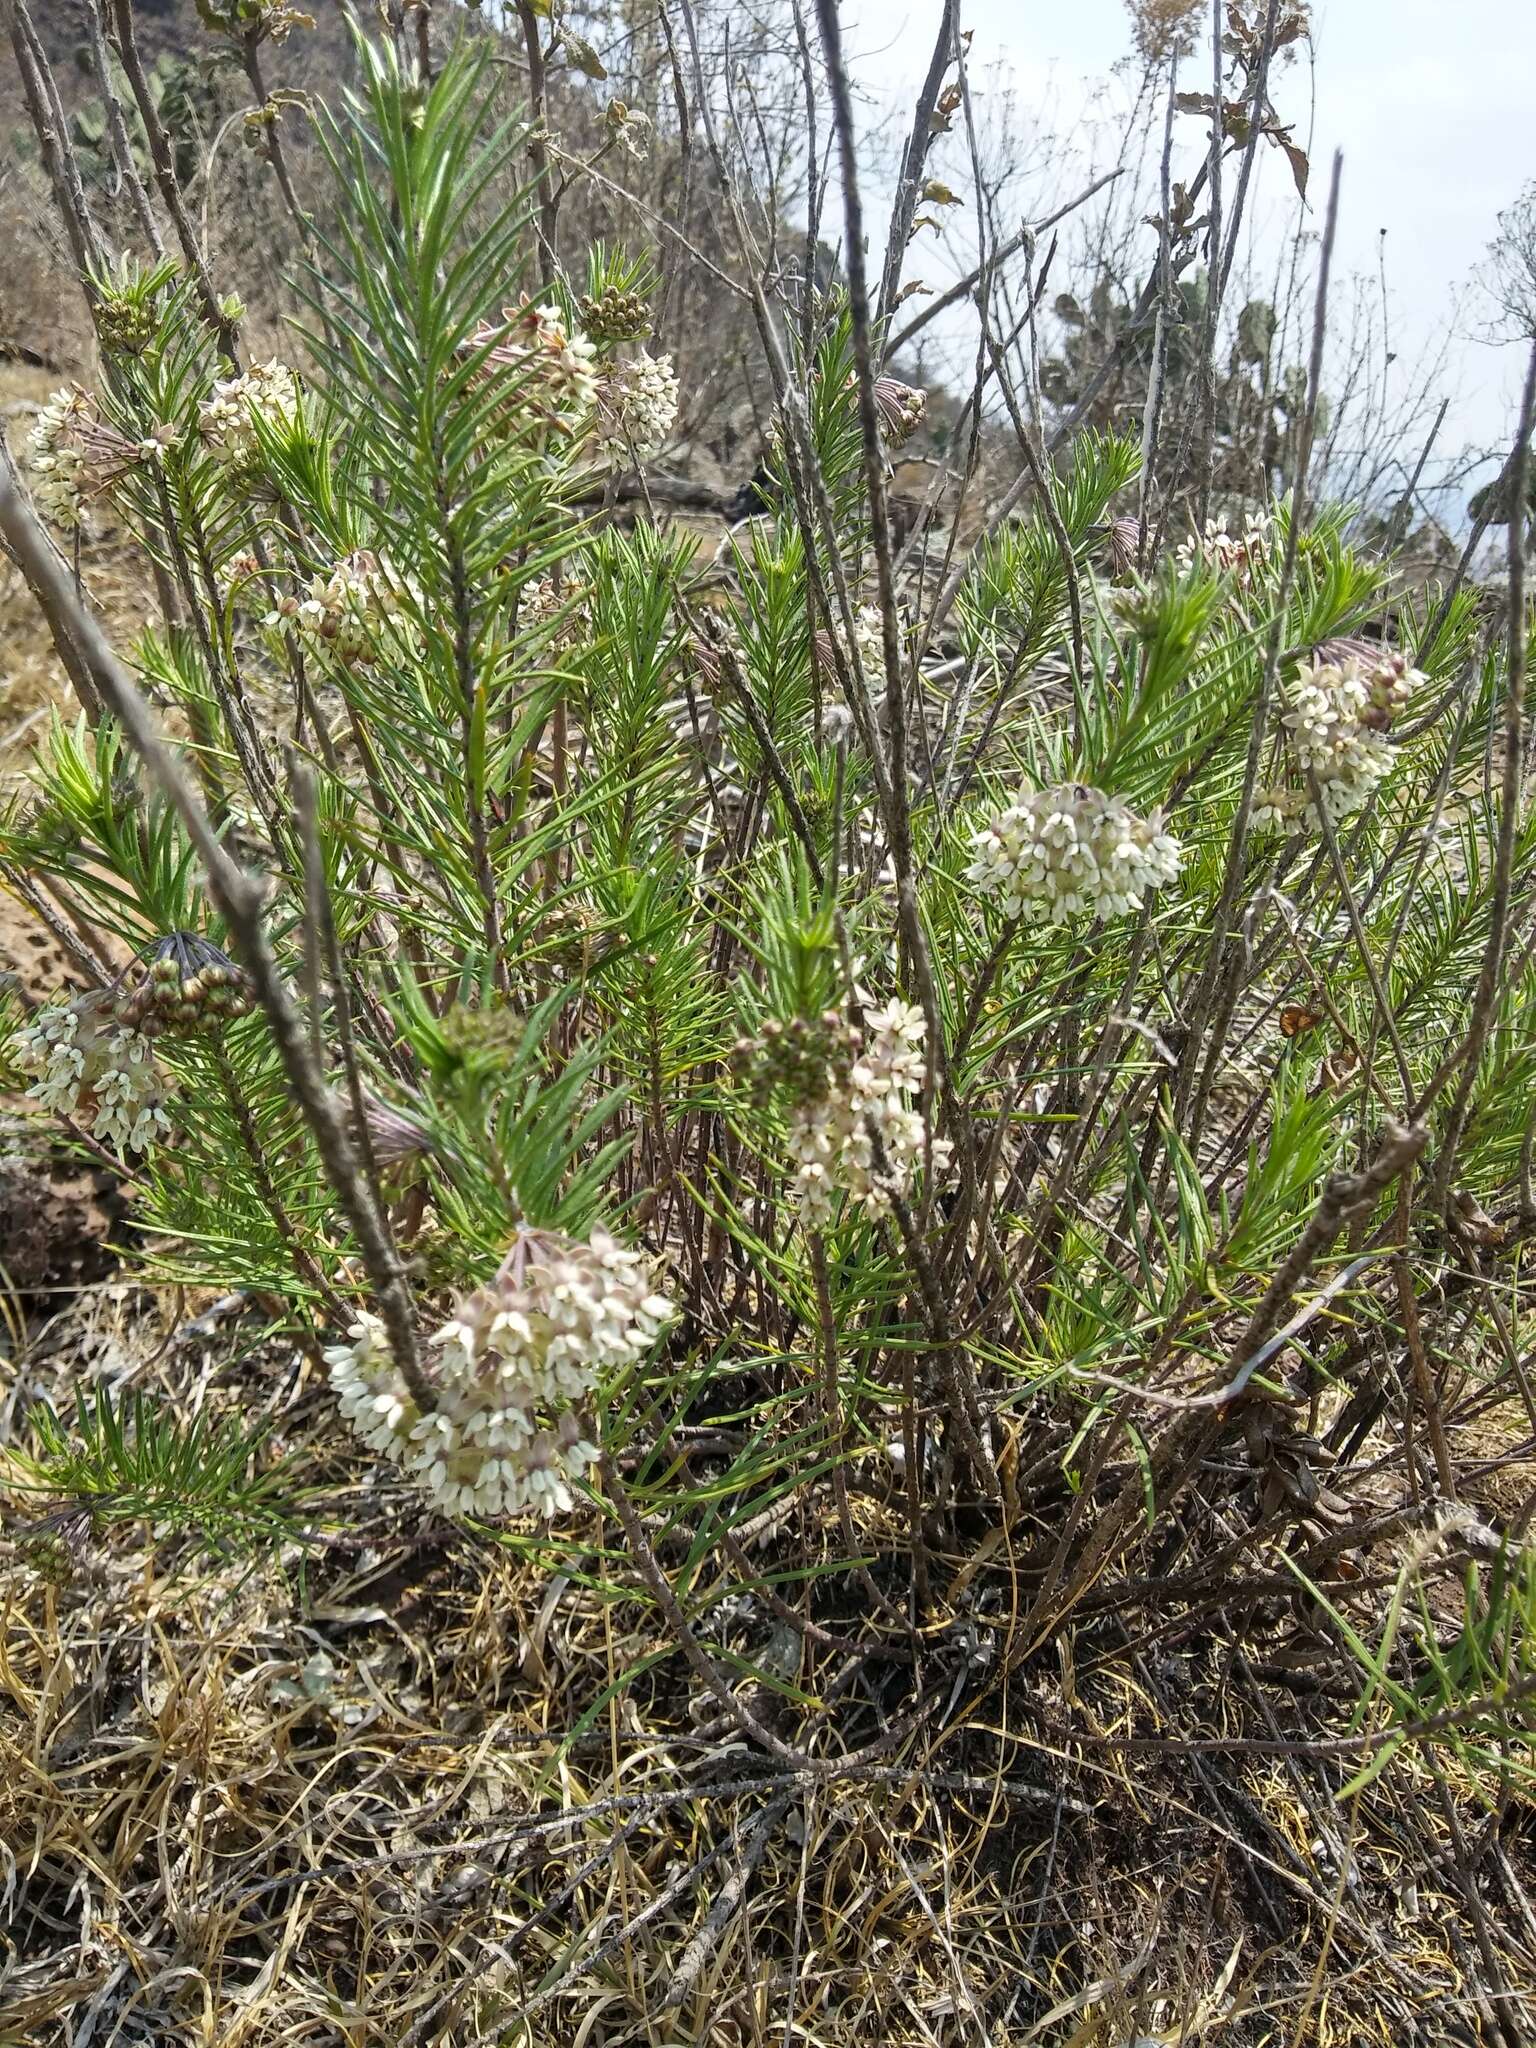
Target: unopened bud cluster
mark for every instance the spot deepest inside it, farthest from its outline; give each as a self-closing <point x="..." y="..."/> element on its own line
<point x="806" y="1058"/>
<point x="900" y="407"/>
<point x="862" y="1135"/>
<point x="473" y="1032"/>
<point x="708" y="662"/>
<point x="1339" y="708"/>
<point x="397" y="1141"/>
<point x="267" y="392"/>
<point x="1123" y="544"/>
<point x="93" y="1068"/>
<point x="615" y="315"/>
<point x="503" y="1437"/>
<point x="575" y="938"/>
<point x="1070" y="851"/>
<point x="126" y="323"/>
<point x="189" y="986"/>
<point x="351" y="611"/>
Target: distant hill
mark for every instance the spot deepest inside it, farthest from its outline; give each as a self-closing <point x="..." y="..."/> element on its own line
<point x="200" y="85"/>
<point x="171" y="28"/>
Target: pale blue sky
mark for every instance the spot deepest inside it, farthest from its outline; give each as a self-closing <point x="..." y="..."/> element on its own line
<point x="1433" y="103"/>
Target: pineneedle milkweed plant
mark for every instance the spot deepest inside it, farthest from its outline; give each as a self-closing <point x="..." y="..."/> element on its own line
<point x="821" y="1057"/>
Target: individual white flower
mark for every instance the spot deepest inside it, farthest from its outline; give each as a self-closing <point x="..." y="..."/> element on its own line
<point x="636" y="405"/>
<point x="353" y="610"/>
<point x="513" y="1357"/>
<point x="227" y="419"/>
<point x="95" y="1070"/>
<point x="1242" y="556"/>
<point x="1072" y="851"/>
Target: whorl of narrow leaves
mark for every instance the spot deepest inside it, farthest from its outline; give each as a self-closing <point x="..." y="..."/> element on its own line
<point x="120" y="1460"/>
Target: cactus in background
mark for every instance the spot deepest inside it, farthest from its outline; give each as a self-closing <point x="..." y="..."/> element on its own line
<point x="184" y="97"/>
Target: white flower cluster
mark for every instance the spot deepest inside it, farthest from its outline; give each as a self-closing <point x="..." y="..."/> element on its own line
<point x="900" y="409"/>
<point x="636" y="405"/>
<point x="1060" y="852"/>
<point x="869" y="639"/>
<point x="75" y="453"/>
<point x="565" y="358"/>
<point x="227" y="420"/>
<point x="834" y="1139"/>
<point x="542" y="604"/>
<point x="558" y="381"/>
<point x="1336" y="716"/>
<point x="504" y="1436"/>
<point x="58" y="457"/>
<point x="89" y="1065"/>
<point x="868" y="644"/>
<point x="1242" y="556"/>
<point x="349" y="610"/>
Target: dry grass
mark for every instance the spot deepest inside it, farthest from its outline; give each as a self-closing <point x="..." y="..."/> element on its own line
<point x="376" y="1792"/>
